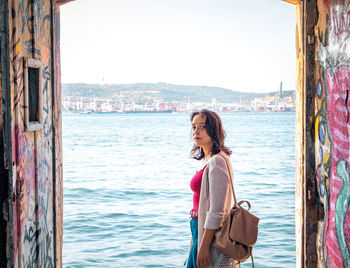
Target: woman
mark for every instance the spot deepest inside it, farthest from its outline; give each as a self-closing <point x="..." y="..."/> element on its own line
<point x="212" y="196"/>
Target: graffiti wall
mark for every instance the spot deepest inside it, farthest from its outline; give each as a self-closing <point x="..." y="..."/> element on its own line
<point x="34" y="154"/>
<point x="332" y="129"/>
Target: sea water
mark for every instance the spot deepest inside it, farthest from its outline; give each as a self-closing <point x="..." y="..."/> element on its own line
<point x="126" y="187"/>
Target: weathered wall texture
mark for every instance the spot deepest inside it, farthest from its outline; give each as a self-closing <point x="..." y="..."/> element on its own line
<point x="57" y="132"/>
<point x="332" y="129"/>
<point x="34" y="227"/>
<point x="299" y="139"/>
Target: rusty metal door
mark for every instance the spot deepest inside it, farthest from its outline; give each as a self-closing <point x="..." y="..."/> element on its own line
<point x="32" y="132"/>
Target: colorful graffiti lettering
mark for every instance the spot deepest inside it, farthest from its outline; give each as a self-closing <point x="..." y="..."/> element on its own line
<point x="32" y="151"/>
<point x="37" y="233"/>
<point x="29" y="45"/>
<point x="332" y="136"/>
<point x="341" y="207"/>
<point x="336" y="224"/>
<point x="31" y="16"/>
<point x="32" y="197"/>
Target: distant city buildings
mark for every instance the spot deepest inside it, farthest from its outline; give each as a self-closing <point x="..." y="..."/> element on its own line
<point x="120" y="104"/>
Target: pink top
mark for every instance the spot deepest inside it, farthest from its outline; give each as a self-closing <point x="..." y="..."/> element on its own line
<point x="195" y="185"/>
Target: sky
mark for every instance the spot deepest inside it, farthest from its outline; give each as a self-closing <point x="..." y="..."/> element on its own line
<point x="240" y="45"/>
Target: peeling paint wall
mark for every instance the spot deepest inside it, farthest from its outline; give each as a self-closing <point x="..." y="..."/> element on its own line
<point x="322" y="133"/>
<point x="332" y="129"/>
<point x="32" y="153"/>
<point x="34" y="223"/>
<point x="299" y="138"/>
<point x="3" y="173"/>
<point x="57" y="132"/>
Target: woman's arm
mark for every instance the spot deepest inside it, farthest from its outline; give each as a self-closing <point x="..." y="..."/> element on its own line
<point x="203" y="258"/>
<point x="219" y="181"/>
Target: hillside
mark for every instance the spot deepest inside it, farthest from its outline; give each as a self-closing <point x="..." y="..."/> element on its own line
<point x="164" y="91"/>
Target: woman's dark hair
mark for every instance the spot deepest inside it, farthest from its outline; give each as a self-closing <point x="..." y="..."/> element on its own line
<point x="213" y="126"/>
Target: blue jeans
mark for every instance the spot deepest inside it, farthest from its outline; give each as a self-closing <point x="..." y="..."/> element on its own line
<point x="192" y="258"/>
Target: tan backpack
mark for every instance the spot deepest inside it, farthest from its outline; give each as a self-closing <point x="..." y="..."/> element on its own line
<point x="239" y="229"/>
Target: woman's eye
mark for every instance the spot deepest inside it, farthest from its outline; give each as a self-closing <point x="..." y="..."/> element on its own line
<point x="199" y="127"/>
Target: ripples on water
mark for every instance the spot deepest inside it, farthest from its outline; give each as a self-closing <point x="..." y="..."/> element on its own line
<point x="127" y="195"/>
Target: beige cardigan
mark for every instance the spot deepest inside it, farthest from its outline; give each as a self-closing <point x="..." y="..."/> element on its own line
<point x="215" y="200"/>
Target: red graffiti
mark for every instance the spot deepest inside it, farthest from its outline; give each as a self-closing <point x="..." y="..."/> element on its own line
<point x="25" y="183"/>
<point x="327" y="2"/>
<point x="341" y="23"/>
<point x="338" y="111"/>
<point x="32" y="193"/>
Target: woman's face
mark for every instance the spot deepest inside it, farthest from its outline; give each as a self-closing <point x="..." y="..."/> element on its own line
<point x="199" y="132"/>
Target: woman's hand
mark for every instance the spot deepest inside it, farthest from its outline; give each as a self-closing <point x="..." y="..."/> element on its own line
<point x="203" y="258"/>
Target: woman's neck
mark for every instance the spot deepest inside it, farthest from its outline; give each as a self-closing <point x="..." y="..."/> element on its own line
<point x="207" y="149"/>
<point x="207" y="155"/>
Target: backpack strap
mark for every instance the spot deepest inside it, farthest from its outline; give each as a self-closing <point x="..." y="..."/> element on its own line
<point x="230" y="172"/>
